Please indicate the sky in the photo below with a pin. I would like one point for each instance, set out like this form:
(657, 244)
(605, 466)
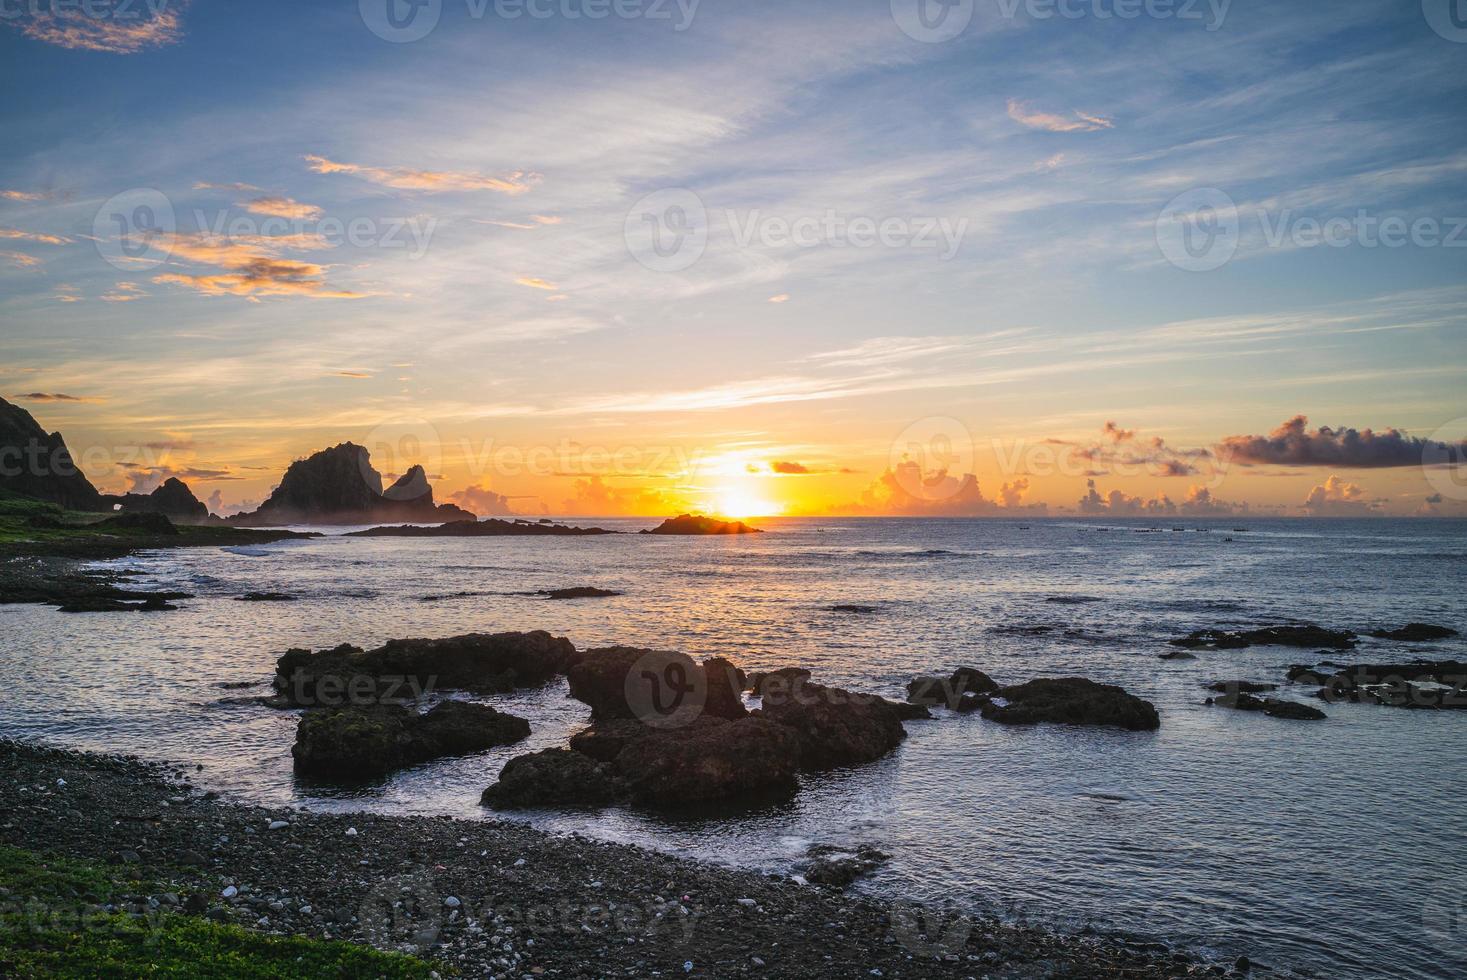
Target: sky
(616, 257)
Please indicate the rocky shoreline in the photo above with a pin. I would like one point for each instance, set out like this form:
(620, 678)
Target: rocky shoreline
(501, 898)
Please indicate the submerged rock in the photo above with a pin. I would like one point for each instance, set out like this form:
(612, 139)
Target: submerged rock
(265, 597)
(836, 727)
(580, 592)
(1429, 685)
(698, 524)
(553, 778)
(1177, 655)
(1241, 687)
(1288, 636)
(837, 867)
(356, 742)
(1273, 707)
(402, 670)
(1070, 701)
(850, 608)
(1415, 633)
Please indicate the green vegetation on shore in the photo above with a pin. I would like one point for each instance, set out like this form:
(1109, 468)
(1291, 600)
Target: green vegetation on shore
(35, 527)
(62, 918)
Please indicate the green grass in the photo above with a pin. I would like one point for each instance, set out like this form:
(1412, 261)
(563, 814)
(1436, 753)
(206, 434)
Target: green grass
(52, 924)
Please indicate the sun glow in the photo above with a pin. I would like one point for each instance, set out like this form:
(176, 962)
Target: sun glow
(741, 502)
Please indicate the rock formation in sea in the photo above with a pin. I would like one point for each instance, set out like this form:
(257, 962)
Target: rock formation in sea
(473, 528)
(698, 524)
(357, 742)
(1070, 701)
(340, 486)
(37, 464)
(401, 670)
(172, 498)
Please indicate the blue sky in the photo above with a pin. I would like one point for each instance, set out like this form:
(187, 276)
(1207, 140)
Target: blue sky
(495, 294)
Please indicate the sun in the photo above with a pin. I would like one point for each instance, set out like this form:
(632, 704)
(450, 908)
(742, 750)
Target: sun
(739, 502)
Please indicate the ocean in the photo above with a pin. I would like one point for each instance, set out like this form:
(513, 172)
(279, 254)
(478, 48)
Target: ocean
(1335, 847)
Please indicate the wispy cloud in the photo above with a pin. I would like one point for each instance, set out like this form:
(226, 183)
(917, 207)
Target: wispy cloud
(110, 26)
(124, 292)
(282, 207)
(204, 185)
(1079, 122)
(56, 396)
(15, 234)
(262, 276)
(20, 259)
(10, 195)
(534, 283)
(406, 178)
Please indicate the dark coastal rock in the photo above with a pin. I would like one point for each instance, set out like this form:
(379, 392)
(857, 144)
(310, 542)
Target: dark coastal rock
(265, 597)
(103, 604)
(1416, 633)
(838, 867)
(1424, 685)
(553, 778)
(1241, 687)
(949, 691)
(1273, 707)
(172, 498)
(340, 486)
(1177, 655)
(403, 669)
(849, 608)
(96, 604)
(37, 464)
(836, 727)
(907, 711)
(1070, 701)
(719, 761)
(604, 740)
(580, 592)
(144, 523)
(353, 743)
(475, 528)
(697, 524)
(656, 687)
(1288, 636)
(777, 680)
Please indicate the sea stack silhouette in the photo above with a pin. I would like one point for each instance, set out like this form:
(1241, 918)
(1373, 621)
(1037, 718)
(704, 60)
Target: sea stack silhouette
(340, 486)
(34, 463)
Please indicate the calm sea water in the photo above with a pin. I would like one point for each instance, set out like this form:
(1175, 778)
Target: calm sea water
(1338, 847)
